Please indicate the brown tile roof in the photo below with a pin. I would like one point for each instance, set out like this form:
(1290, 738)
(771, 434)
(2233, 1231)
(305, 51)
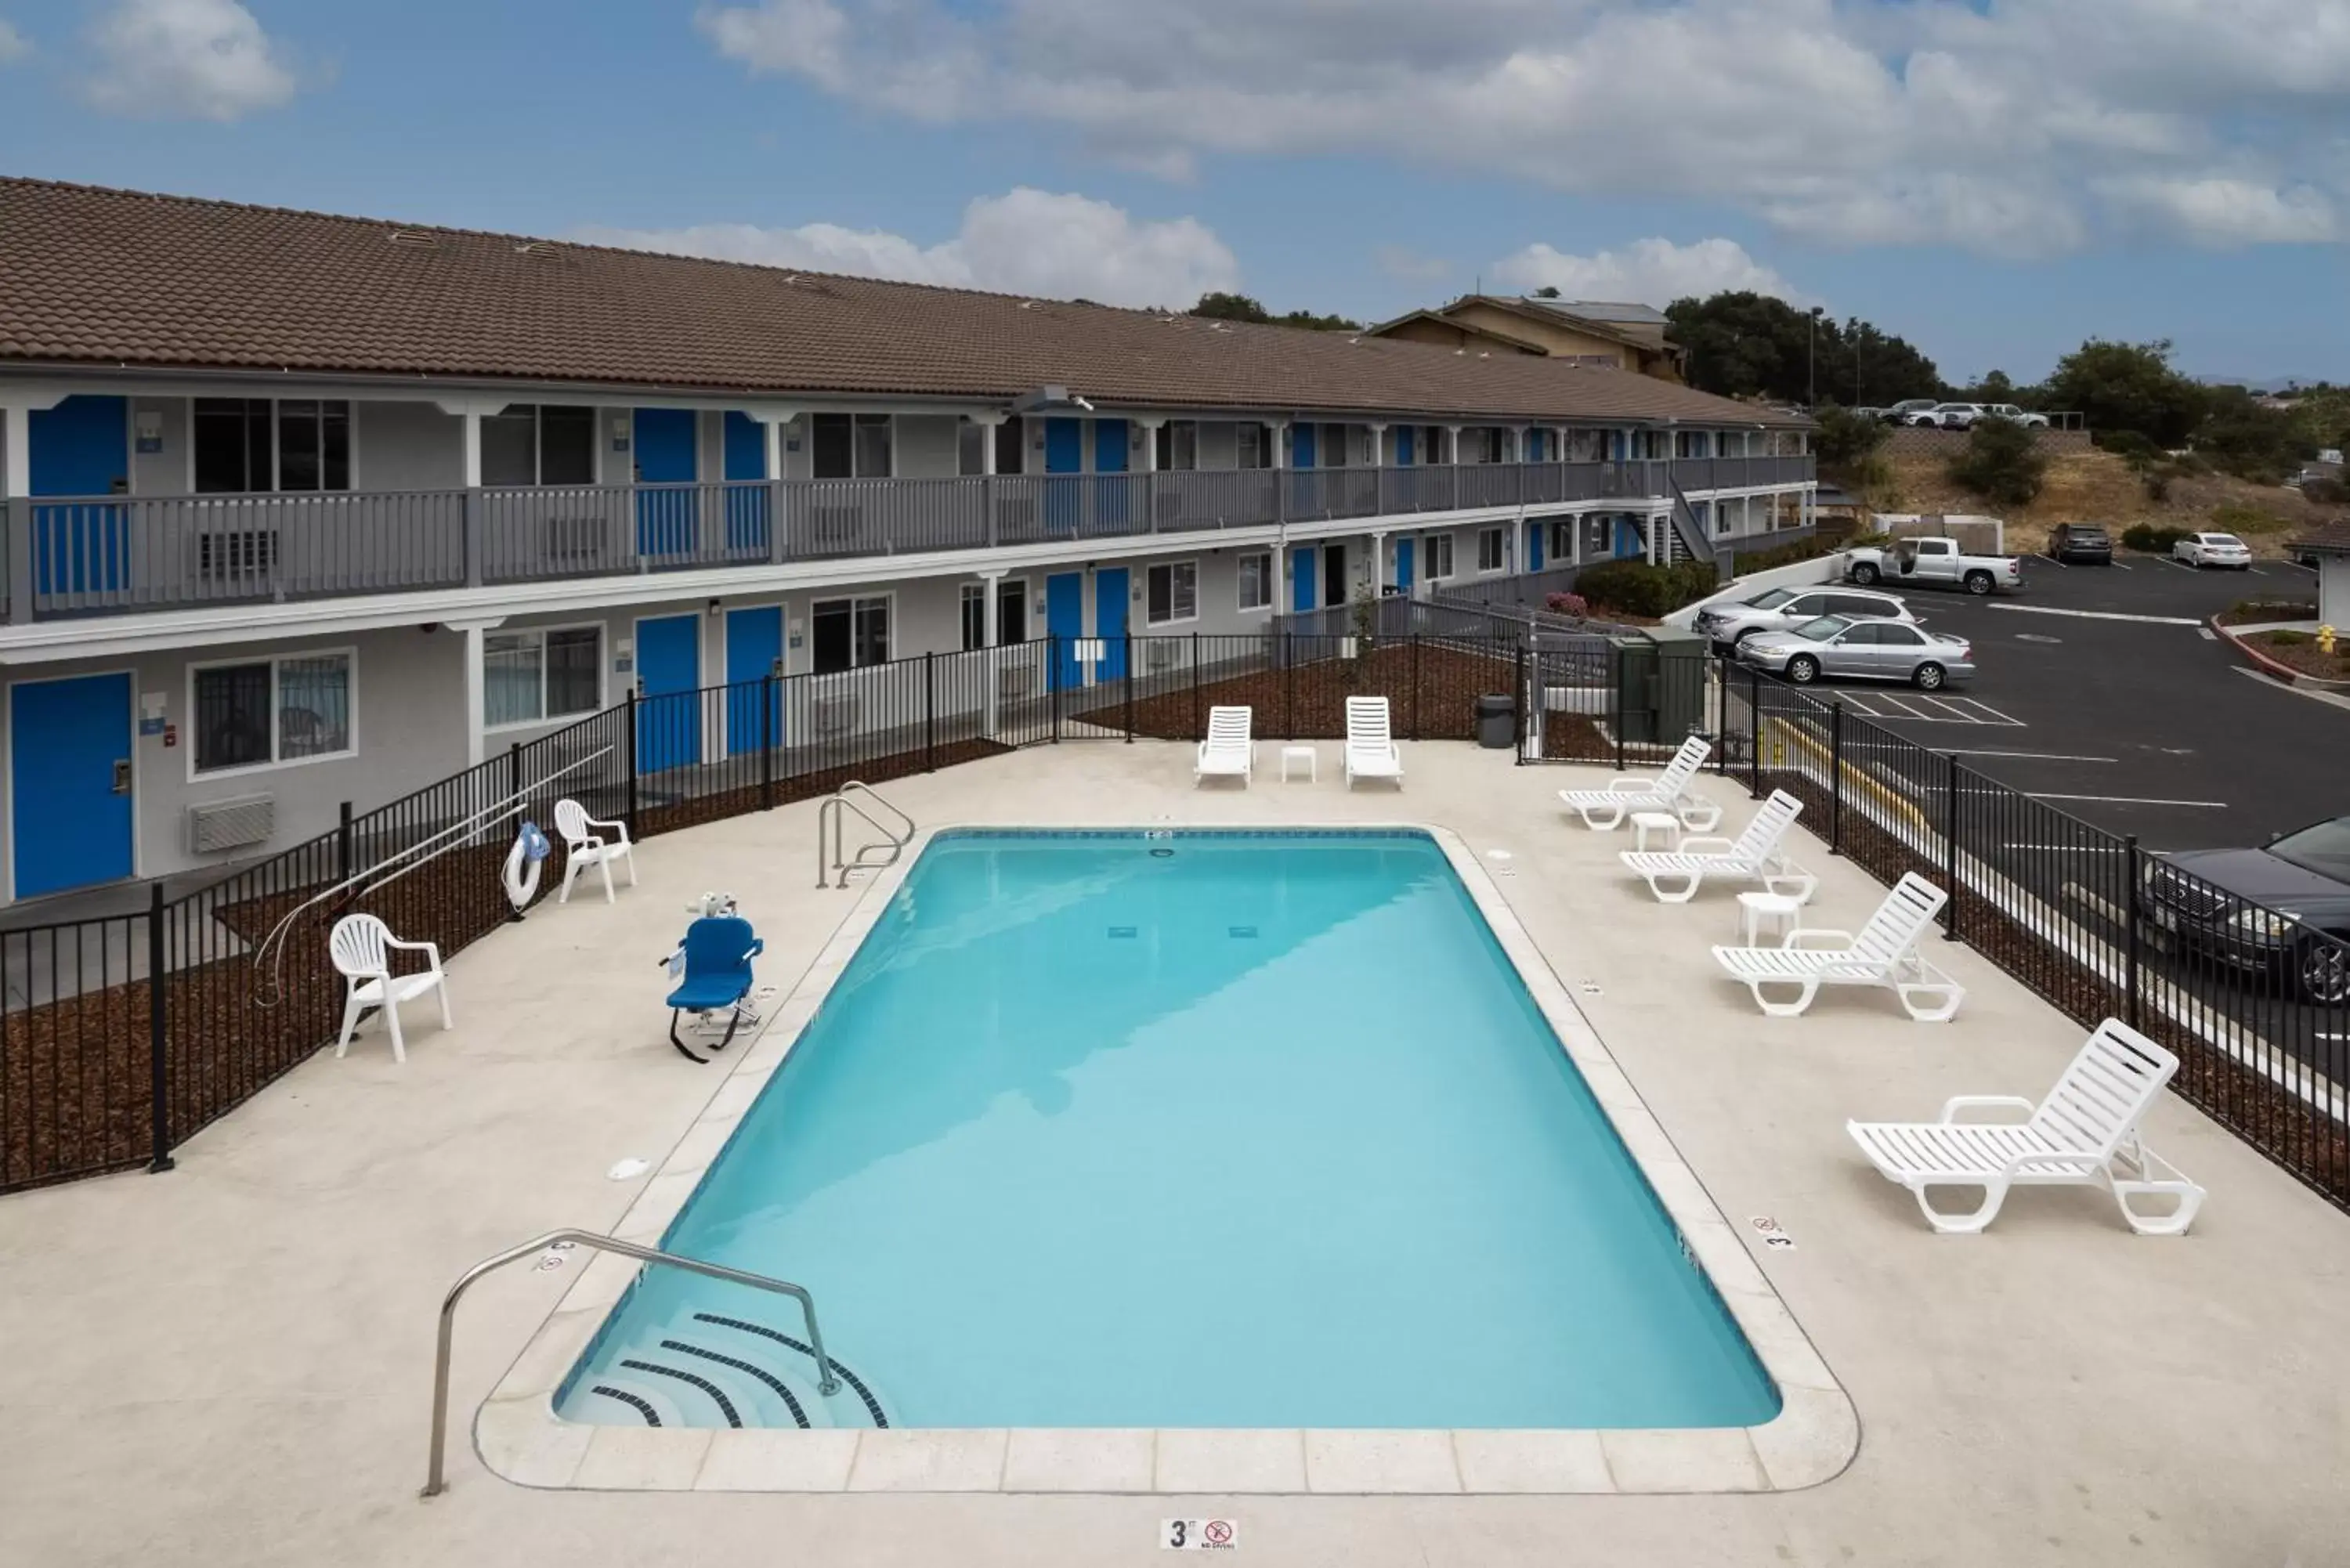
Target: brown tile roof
(2333, 539)
(102, 276)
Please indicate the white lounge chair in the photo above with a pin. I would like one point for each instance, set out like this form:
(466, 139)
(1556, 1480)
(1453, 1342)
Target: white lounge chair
(360, 947)
(1675, 876)
(589, 842)
(1370, 749)
(1227, 752)
(2084, 1134)
(1884, 953)
(1605, 809)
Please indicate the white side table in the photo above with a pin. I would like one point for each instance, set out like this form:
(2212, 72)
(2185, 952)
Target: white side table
(1781, 909)
(1291, 756)
(1644, 822)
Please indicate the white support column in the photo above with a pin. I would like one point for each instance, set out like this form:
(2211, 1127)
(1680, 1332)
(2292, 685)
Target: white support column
(1150, 429)
(1280, 444)
(1452, 444)
(1378, 565)
(476, 706)
(18, 434)
(990, 587)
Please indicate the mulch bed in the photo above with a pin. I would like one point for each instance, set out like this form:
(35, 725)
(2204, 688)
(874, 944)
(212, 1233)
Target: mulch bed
(1432, 691)
(2300, 653)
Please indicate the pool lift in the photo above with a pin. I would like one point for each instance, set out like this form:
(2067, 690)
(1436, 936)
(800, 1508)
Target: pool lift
(711, 971)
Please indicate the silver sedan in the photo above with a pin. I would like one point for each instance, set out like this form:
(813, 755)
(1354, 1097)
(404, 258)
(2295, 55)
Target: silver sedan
(1863, 650)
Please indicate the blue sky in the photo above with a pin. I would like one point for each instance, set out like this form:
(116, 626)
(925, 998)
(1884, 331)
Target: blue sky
(1994, 181)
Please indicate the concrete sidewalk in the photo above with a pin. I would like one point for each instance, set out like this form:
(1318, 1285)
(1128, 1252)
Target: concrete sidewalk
(229, 1364)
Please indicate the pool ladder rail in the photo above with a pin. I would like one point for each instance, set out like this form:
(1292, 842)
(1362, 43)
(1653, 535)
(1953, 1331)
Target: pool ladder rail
(828, 1382)
(834, 871)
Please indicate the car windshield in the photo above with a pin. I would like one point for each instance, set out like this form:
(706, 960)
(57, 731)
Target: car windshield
(2225, 541)
(1820, 630)
(1771, 600)
(2088, 531)
(2324, 848)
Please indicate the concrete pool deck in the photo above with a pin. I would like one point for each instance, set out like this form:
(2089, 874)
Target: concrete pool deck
(230, 1363)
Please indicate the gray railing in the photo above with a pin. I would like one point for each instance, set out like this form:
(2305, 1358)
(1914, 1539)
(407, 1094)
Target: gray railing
(109, 555)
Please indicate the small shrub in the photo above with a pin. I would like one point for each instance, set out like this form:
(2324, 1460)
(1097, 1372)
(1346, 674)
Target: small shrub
(1782, 554)
(2000, 462)
(2325, 491)
(2288, 639)
(1636, 587)
(2154, 541)
(2272, 609)
(1574, 605)
(2130, 446)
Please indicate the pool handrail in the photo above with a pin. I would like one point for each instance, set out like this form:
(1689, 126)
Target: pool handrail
(893, 840)
(826, 1382)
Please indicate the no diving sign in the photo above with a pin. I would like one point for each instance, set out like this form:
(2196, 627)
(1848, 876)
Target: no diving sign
(1198, 1535)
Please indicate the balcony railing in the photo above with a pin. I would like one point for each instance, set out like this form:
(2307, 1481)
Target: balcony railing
(112, 555)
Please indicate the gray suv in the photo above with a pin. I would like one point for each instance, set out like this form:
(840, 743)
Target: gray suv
(1726, 625)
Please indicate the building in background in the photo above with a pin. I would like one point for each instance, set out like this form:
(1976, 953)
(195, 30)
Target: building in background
(1580, 332)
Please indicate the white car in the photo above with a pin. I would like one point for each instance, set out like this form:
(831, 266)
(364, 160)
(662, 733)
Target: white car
(2014, 415)
(1946, 416)
(2213, 550)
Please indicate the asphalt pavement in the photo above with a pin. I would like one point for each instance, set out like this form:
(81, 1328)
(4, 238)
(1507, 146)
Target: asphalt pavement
(2102, 690)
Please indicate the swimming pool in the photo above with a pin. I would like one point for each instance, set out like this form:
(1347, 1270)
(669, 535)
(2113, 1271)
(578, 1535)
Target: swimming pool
(1179, 1128)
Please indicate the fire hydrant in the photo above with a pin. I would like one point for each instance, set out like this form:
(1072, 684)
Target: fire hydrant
(2325, 640)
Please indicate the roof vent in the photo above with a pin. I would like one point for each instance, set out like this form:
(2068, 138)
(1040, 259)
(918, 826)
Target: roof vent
(536, 248)
(413, 237)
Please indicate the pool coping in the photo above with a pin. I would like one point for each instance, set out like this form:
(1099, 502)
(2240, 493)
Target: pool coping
(1812, 1438)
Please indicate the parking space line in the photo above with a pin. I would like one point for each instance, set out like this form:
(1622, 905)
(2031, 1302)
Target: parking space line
(2036, 756)
(1906, 710)
(2101, 615)
(2129, 800)
(1854, 700)
(1989, 714)
(1945, 702)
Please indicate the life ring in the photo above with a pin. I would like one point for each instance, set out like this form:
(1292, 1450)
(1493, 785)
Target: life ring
(523, 864)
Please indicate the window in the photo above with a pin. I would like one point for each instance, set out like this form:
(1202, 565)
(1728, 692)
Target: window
(533, 444)
(1439, 557)
(1489, 550)
(849, 446)
(1253, 450)
(1483, 443)
(848, 634)
(1174, 593)
(528, 677)
(1256, 581)
(1561, 540)
(1009, 447)
(1893, 634)
(1179, 444)
(260, 444)
(1334, 449)
(971, 448)
(1011, 613)
(271, 711)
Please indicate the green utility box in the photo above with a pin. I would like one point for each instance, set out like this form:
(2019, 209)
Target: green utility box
(1660, 685)
(1635, 659)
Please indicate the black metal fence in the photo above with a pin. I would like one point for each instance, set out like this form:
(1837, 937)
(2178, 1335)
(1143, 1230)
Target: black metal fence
(122, 1036)
(2255, 1002)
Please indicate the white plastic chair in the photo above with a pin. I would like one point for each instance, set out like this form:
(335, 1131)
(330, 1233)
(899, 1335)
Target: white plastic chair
(360, 947)
(2084, 1134)
(1675, 876)
(1370, 749)
(588, 842)
(1227, 752)
(1604, 810)
(1884, 953)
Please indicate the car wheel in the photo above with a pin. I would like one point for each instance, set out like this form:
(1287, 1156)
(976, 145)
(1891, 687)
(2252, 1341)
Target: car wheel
(1863, 574)
(1929, 677)
(1803, 670)
(1978, 583)
(2324, 969)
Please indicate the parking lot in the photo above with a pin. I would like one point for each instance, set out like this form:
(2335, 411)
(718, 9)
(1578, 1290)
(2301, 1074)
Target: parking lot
(2102, 690)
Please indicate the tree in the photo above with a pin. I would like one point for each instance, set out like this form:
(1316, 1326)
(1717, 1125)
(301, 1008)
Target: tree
(2128, 387)
(1747, 345)
(1994, 388)
(2000, 462)
(1846, 442)
(2243, 438)
(1241, 307)
(1547, 291)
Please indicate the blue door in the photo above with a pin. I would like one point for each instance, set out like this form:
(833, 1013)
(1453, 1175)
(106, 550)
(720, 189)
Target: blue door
(1403, 567)
(1065, 452)
(665, 518)
(1534, 545)
(669, 678)
(69, 781)
(1110, 588)
(1110, 509)
(1302, 568)
(1615, 445)
(1305, 500)
(754, 641)
(1064, 618)
(746, 508)
(1404, 434)
(81, 447)
(1628, 543)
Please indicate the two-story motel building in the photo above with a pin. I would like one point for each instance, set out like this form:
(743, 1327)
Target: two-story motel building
(304, 509)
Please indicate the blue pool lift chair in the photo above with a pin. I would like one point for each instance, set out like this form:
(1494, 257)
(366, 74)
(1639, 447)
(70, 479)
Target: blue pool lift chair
(714, 960)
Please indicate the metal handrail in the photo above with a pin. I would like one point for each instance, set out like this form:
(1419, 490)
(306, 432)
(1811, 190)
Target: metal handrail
(827, 1382)
(838, 805)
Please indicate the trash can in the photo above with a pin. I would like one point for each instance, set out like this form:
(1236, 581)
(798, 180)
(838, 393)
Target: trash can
(1497, 722)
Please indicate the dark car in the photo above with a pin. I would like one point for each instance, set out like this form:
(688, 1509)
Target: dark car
(2082, 542)
(2284, 909)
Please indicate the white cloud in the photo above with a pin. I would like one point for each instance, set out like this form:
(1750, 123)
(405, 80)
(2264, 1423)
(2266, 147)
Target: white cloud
(1650, 272)
(2018, 127)
(13, 46)
(1403, 262)
(195, 59)
(1023, 242)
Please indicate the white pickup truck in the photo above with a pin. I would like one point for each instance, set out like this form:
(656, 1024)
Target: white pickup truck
(1935, 563)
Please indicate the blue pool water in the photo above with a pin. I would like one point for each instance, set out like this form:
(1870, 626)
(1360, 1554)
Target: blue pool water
(1226, 1130)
